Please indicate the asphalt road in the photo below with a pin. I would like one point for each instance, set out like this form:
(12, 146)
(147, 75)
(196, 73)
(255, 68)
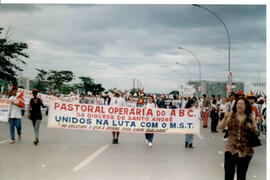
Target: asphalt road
(76, 154)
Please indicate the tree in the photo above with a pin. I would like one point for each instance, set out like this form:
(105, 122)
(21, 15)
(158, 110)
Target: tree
(10, 58)
(89, 85)
(97, 88)
(58, 78)
(55, 79)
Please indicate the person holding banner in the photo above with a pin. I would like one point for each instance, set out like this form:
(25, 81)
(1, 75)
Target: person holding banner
(15, 115)
(149, 136)
(34, 113)
(117, 100)
(189, 137)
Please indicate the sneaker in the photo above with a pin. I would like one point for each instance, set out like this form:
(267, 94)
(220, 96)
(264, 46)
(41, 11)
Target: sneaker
(116, 141)
(19, 137)
(225, 139)
(146, 142)
(190, 145)
(150, 144)
(113, 141)
(12, 141)
(186, 145)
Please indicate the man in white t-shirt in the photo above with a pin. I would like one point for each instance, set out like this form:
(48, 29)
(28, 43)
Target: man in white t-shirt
(150, 104)
(117, 100)
(15, 116)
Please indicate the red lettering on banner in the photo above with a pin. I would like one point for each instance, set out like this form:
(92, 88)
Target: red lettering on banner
(56, 105)
(190, 111)
(110, 110)
(163, 119)
(181, 112)
(172, 112)
(4, 101)
(102, 109)
(97, 110)
(90, 108)
(83, 108)
(70, 107)
(126, 111)
(120, 111)
(132, 111)
(149, 112)
(138, 111)
(77, 106)
(63, 107)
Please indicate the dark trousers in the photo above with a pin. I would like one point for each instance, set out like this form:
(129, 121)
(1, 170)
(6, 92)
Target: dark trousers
(149, 137)
(221, 116)
(214, 122)
(232, 161)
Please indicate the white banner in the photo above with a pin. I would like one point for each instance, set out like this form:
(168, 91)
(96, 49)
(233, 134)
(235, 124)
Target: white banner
(125, 119)
(46, 99)
(186, 90)
(4, 109)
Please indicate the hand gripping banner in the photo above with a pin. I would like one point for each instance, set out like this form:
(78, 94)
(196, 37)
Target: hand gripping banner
(67, 115)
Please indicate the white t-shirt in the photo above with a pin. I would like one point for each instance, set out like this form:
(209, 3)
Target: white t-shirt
(152, 105)
(184, 103)
(99, 101)
(219, 102)
(117, 101)
(15, 111)
(222, 108)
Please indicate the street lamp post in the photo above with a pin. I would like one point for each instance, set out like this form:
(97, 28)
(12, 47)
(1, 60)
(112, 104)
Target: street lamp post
(229, 82)
(186, 69)
(200, 73)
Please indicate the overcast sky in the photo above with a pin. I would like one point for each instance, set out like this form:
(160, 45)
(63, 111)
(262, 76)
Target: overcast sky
(114, 44)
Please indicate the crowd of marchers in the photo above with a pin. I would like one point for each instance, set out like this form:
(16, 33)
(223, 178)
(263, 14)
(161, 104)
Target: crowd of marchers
(237, 116)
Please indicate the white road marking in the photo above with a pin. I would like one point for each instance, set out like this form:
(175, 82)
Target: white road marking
(201, 137)
(2, 142)
(91, 158)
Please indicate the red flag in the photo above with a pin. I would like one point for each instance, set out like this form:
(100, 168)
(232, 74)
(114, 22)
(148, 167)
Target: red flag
(21, 100)
(141, 101)
(141, 92)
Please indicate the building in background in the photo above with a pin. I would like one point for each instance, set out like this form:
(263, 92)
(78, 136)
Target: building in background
(24, 82)
(259, 88)
(215, 87)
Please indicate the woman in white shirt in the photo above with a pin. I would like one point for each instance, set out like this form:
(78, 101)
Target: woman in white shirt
(15, 116)
(222, 109)
(149, 136)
